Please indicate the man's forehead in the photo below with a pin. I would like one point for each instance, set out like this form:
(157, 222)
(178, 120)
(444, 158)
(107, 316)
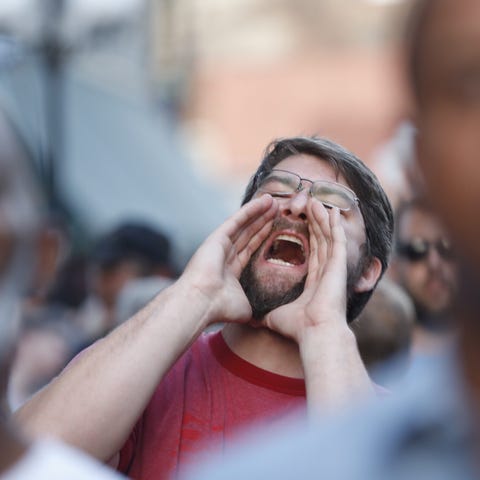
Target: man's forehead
(311, 167)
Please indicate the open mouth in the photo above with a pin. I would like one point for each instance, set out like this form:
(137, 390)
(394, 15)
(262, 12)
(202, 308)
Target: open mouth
(286, 250)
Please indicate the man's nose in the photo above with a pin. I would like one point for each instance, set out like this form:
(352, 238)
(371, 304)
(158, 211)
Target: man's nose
(295, 207)
(434, 258)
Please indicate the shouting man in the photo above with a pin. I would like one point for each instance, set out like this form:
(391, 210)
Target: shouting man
(285, 274)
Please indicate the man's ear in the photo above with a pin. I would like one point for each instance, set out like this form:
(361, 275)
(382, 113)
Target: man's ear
(370, 275)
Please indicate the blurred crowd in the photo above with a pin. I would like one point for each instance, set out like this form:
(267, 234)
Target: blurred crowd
(77, 299)
(74, 298)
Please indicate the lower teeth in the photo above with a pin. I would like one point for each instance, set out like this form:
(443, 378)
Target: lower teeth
(278, 261)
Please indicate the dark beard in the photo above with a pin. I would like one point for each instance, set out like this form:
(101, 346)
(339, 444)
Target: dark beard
(263, 301)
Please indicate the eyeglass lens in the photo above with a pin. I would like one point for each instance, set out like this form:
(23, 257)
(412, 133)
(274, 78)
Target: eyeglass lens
(283, 183)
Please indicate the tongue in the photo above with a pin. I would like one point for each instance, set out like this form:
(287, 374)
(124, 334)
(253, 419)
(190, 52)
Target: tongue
(286, 251)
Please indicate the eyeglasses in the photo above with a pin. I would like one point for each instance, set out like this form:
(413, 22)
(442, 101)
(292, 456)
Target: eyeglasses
(281, 183)
(418, 249)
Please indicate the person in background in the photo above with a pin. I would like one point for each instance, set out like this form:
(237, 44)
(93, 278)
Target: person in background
(53, 245)
(48, 338)
(130, 251)
(42, 351)
(384, 332)
(430, 430)
(21, 213)
(136, 293)
(424, 264)
(285, 274)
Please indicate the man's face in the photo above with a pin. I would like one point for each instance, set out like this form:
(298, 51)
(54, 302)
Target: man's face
(449, 117)
(276, 272)
(424, 265)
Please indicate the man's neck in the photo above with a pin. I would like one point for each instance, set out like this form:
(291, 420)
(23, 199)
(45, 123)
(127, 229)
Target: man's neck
(264, 348)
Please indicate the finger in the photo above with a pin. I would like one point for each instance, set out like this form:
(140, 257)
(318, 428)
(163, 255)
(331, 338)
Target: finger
(239, 259)
(336, 267)
(317, 243)
(314, 247)
(320, 227)
(227, 233)
(338, 263)
(234, 225)
(321, 223)
(339, 239)
(250, 232)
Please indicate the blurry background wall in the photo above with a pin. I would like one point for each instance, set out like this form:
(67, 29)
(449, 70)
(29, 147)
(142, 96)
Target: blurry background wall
(160, 109)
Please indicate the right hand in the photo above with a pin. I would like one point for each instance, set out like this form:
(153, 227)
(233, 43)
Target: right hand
(215, 268)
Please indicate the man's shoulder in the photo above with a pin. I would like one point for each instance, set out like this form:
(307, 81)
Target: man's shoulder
(50, 460)
(200, 349)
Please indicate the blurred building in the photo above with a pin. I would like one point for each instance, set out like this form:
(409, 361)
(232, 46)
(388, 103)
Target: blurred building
(243, 72)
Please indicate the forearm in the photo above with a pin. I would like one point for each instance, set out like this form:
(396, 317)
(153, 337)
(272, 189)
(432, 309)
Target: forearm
(96, 401)
(334, 371)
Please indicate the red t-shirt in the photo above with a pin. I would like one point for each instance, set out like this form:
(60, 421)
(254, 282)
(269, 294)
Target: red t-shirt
(201, 404)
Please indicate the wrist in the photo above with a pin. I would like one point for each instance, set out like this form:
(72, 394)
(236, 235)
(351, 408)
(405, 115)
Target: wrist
(193, 302)
(315, 338)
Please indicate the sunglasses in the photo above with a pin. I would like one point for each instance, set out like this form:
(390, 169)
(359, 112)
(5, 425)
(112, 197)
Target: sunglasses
(418, 249)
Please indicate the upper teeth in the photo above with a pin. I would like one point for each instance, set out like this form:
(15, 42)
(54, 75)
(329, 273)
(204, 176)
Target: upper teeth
(290, 238)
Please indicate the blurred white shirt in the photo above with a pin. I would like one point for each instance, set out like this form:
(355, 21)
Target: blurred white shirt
(49, 460)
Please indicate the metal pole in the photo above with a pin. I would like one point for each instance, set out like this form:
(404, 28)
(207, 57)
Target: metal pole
(53, 56)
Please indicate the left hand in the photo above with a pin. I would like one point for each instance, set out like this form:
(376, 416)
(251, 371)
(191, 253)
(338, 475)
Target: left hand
(323, 301)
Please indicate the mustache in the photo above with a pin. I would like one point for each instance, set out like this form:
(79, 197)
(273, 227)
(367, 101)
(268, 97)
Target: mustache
(282, 223)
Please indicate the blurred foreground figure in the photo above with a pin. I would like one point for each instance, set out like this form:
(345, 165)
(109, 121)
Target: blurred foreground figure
(285, 274)
(431, 430)
(424, 264)
(20, 216)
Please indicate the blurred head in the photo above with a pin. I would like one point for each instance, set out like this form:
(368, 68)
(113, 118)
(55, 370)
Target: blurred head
(445, 76)
(424, 263)
(21, 211)
(368, 225)
(129, 251)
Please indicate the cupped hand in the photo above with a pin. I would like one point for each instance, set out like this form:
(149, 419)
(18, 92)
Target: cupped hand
(215, 268)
